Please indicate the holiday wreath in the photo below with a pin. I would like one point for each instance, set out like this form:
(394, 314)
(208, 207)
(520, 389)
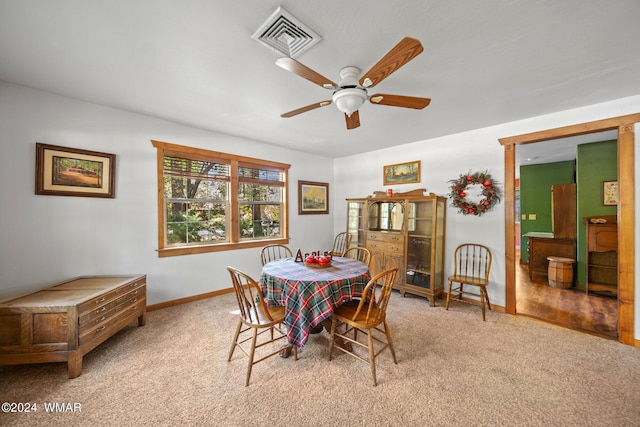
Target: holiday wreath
(490, 193)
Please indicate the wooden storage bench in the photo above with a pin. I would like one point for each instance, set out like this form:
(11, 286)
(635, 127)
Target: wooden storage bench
(63, 322)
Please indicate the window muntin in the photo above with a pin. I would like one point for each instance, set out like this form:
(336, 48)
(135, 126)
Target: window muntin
(212, 201)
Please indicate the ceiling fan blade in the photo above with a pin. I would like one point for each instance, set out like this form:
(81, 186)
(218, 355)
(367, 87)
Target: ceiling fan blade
(403, 52)
(399, 101)
(353, 121)
(305, 72)
(305, 109)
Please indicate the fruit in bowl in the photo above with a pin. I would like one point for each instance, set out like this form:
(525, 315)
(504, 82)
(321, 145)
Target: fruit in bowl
(311, 260)
(324, 259)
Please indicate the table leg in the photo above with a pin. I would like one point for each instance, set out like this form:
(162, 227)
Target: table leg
(285, 352)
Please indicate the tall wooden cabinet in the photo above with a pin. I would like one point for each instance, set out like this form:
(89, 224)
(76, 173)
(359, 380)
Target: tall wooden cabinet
(602, 254)
(561, 242)
(405, 231)
(563, 211)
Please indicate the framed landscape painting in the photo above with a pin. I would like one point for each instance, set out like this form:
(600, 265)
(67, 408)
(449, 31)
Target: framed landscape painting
(401, 173)
(313, 197)
(62, 171)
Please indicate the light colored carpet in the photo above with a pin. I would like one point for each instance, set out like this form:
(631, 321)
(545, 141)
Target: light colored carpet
(453, 369)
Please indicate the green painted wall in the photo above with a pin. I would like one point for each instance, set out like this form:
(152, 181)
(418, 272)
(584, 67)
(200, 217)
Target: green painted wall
(595, 163)
(535, 197)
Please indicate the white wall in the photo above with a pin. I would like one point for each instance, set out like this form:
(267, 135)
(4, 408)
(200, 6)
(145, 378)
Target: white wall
(446, 158)
(46, 239)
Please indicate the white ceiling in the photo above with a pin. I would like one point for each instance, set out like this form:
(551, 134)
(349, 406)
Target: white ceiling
(194, 62)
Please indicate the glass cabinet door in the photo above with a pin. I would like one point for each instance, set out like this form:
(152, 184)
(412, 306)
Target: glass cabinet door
(439, 242)
(419, 243)
(355, 222)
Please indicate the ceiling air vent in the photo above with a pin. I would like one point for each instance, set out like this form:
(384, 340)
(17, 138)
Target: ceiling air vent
(286, 34)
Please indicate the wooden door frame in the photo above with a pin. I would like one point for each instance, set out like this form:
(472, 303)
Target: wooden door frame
(626, 208)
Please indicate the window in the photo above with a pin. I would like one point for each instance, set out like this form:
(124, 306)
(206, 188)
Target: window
(210, 201)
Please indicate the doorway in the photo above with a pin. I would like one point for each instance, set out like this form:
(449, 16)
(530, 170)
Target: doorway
(626, 220)
(547, 164)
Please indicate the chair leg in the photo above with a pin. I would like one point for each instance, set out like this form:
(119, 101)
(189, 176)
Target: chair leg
(333, 336)
(372, 358)
(387, 332)
(448, 296)
(484, 297)
(235, 340)
(486, 294)
(251, 354)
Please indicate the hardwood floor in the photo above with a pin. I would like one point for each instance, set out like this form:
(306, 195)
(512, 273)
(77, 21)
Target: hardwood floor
(571, 308)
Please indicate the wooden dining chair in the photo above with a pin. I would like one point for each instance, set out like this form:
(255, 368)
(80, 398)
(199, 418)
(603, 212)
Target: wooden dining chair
(256, 318)
(368, 316)
(273, 252)
(472, 264)
(359, 253)
(340, 243)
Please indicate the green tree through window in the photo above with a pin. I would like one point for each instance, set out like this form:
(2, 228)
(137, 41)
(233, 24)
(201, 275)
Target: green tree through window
(212, 201)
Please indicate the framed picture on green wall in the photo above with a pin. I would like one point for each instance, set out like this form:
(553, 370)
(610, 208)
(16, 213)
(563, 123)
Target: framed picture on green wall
(609, 193)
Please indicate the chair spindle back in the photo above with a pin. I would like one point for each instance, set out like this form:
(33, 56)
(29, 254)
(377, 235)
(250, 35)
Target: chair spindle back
(472, 260)
(250, 300)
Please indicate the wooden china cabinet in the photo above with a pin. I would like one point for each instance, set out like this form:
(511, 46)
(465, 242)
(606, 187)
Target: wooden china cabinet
(406, 231)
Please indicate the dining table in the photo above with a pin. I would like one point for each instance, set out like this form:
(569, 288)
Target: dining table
(310, 294)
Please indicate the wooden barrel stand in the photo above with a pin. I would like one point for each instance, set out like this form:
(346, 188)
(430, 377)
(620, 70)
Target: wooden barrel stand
(560, 272)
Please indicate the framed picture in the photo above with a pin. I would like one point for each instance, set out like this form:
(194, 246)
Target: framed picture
(401, 173)
(609, 193)
(313, 197)
(62, 171)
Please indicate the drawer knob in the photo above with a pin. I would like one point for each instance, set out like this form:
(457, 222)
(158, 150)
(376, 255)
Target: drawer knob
(100, 319)
(100, 310)
(100, 329)
(103, 299)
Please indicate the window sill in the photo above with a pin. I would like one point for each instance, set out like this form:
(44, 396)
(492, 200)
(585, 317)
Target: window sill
(219, 247)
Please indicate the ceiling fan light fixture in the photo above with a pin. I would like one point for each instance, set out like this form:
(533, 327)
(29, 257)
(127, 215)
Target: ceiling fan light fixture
(349, 100)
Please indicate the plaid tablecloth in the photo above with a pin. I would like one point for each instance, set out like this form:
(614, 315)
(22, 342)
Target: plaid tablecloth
(310, 294)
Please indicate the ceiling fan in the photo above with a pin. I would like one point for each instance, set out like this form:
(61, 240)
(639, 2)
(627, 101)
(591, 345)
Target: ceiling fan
(350, 93)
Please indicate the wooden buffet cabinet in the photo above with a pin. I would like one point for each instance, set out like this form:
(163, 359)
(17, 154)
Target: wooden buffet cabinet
(406, 231)
(63, 322)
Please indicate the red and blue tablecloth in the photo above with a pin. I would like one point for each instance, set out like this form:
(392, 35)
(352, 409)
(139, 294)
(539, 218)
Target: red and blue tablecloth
(308, 294)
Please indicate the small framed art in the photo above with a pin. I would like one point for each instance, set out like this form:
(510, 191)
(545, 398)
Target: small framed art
(609, 193)
(401, 173)
(63, 171)
(313, 197)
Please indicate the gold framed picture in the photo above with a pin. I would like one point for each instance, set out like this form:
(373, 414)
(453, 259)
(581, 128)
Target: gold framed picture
(313, 197)
(401, 173)
(63, 171)
(609, 193)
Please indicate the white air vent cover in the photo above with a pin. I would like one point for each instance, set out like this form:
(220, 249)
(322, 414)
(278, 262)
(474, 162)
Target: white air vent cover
(286, 34)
